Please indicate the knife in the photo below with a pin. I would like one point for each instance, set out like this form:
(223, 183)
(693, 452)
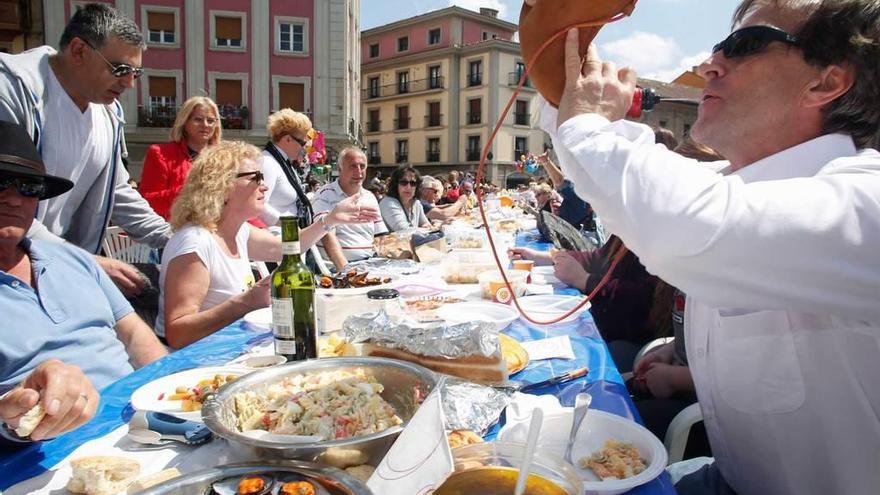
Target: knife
(556, 380)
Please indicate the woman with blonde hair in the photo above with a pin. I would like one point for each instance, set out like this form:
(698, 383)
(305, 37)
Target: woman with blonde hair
(166, 165)
(206, 280)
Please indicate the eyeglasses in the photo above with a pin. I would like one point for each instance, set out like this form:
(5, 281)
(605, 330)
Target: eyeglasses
(412, 183)
(302, 142)
(751, 40)
(118, 69)
(208, 121)
(256, 176)
(28, 188)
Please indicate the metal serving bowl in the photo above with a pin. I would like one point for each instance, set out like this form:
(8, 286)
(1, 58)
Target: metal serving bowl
(334, 481)
(405, 385)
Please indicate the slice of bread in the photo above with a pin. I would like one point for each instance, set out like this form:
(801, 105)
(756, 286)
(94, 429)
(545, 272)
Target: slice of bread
(29, 422)
(102, 475)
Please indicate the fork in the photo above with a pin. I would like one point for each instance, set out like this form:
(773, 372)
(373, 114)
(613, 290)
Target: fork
(581, 405)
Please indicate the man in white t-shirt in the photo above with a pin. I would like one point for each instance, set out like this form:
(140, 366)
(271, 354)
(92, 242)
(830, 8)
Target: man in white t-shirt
(67, 100)
(355, 241)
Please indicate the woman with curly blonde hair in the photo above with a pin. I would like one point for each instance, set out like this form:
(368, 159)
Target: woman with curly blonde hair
(166, 165)
(206, 280)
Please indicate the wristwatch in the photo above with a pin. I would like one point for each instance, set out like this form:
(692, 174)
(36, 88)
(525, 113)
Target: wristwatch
(325, 227)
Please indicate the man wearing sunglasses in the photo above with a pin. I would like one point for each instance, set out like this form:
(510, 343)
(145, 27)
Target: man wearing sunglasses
(67, 100)
(777, 248)
(59, 309)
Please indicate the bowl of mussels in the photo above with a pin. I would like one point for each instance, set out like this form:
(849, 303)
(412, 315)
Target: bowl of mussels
(342, 412)
(264, 478)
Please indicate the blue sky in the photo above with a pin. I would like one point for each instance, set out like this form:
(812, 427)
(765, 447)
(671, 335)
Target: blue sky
(662, 38)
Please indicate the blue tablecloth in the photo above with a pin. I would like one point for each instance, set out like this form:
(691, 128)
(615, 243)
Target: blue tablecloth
(603, 382)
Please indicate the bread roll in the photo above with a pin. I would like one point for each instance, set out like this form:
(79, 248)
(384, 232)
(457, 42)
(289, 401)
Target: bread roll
(102, 475)
(29, 422)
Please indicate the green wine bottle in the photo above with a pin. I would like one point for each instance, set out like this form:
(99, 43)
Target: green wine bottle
(293, 299)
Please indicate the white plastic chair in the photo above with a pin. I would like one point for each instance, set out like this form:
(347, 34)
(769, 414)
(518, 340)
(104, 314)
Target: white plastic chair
(118, 245)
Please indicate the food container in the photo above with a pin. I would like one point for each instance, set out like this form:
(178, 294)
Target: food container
(332, 481)
(491, 469)
(467, 239)
(333, 306)
(405, 385)
(492, 285)
(463, 267)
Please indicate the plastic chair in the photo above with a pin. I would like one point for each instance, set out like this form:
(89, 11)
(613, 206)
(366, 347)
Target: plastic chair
(118, 245)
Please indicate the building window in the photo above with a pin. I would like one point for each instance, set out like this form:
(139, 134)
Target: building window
(402, 82)
(163, 93)
(433, 152)
(374, 50)
(374, 158)
(520, 146)
(489, 35)
(293, 35)
(432, 119)
(473, 148)
(475, 111)
(228, 31)
(161, 28)
(401, 123)
(403, 43)
(229, 95)
(292, 95)
(475, 73)
(373, 122)
(402, 155)
(521, 113)
(434, 36)
(373, 87)
(435, 80)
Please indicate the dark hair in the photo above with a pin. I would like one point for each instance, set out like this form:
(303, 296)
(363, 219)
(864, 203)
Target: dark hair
(665, 137)
(95, 23)
(840, 32)
(700, 152)
(397, 176)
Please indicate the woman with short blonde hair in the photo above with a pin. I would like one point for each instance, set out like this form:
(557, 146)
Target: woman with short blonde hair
(166, 165)
(286, 122)
(206, 280)
(281, 166)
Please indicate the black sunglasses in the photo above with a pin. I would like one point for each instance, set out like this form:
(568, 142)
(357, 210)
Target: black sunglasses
(28, 188)
(256, 176)
(118, 69)
(412, 183)
(302, 142)
(753, 39)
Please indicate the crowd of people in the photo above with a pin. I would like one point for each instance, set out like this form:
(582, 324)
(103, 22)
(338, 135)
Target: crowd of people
(748, 243)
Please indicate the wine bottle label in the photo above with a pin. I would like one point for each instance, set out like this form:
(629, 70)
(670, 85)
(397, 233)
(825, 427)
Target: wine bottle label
(290, 247)
(282, 316)
(285, 347)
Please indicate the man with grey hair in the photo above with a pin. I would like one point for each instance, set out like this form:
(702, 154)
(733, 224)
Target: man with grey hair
(67, 100)
(430, 191)
(776, 248)
(353, 241)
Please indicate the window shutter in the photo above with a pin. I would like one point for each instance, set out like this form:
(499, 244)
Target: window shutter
(228, 92)
(292, 95)
(160, 21)
(163, 86)
(228, 27)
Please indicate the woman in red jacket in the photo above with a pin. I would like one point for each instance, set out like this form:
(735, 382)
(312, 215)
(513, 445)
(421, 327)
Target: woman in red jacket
(166, 165)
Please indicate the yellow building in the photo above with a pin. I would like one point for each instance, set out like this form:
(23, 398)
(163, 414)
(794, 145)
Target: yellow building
(433, 87)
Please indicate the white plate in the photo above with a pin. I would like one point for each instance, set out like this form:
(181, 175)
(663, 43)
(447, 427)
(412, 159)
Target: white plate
(261, 318)
(597, 428)
(501, 315)
(546, 308)
(146, 398)
(545, 275)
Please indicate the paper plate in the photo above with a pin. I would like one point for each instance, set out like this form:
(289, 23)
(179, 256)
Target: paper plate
(545, 275)
(154, 396)
(501, 315)
(261, 318)
(597, 428)
(546, 308)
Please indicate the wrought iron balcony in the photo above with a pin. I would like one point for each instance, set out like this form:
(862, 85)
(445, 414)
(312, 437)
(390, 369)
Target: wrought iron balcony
(158, 116)
(235, 116)
(474, 79)
(401, 157)
(474, 118)
(473, 155)
(513, 79)
(521, 118)
(432, 157)
(434, 120)
(401, 124)
(374, 160)
(409, 87)
(374, 126)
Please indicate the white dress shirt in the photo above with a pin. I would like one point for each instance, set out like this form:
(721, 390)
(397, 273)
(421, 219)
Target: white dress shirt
(280, 195)
(781, 264)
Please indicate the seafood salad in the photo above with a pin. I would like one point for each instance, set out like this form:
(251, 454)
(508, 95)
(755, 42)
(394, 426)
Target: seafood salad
(331, 405)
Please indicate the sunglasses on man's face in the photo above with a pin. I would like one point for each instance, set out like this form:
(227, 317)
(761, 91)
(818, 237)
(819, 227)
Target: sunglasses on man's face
(752, 40)
(118, 69)
(412, 183)
(302, 142)
(256, 176)
(28, 188)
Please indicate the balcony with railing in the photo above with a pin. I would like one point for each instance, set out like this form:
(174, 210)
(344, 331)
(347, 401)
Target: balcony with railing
(235, 116)
(434, 120)
(473, 155)
(474, 118)
(513, 79)
(432, 157)
(374, 160)
(156, 116)
(374, 125)
(401, 157)
(474, 79)
(401, 124)
(521, 118)
(409, 87)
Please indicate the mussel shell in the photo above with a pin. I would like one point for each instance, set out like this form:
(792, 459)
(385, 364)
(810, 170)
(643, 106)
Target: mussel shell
(229, 486)
(283, 478)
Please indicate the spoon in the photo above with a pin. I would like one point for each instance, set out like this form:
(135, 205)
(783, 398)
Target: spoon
(531, 443)
(581, 405)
